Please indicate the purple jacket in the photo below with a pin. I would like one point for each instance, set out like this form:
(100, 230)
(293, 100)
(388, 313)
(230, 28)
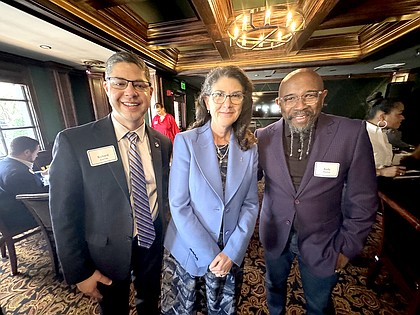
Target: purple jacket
(334, 209)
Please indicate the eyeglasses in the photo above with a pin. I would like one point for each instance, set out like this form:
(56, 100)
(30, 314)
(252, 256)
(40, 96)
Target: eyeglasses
(308, 98)
(121, 84)
(220, 97)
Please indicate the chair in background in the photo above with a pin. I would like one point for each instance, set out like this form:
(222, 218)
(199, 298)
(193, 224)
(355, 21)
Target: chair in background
(399, 252)
(13, 231)
(38, 205)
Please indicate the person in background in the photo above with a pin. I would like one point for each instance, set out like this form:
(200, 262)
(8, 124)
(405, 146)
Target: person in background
(395, 139)
(320, 195)
(17, 177)
(95, 190)
(164, 123)
(412, 161)
(383, 114)
(213, 199)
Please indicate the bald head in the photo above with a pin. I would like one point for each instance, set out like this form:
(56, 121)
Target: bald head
(300, 75)
(301, 97)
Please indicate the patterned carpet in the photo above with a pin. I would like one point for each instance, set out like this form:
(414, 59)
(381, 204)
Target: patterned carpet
(35, 291)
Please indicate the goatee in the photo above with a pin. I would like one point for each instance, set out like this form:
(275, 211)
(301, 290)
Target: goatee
(302, 129)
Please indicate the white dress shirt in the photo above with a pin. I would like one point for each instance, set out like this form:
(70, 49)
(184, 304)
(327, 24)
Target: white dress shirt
(146, 159)
(382, 149)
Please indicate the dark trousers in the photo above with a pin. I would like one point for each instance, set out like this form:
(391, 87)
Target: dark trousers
(146, 265)
(317, 290)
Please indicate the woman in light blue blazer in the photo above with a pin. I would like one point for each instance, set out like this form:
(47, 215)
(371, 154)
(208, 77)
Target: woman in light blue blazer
(213, 198)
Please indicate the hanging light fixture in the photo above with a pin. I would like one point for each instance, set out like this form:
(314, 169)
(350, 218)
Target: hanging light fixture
(266, 27)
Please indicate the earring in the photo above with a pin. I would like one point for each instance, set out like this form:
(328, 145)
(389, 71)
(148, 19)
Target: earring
(385, 123)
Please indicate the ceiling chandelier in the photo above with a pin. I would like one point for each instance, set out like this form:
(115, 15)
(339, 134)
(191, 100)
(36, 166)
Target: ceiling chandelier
(266, 27)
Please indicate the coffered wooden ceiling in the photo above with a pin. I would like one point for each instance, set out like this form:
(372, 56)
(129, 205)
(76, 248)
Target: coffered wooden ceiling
(189, 36)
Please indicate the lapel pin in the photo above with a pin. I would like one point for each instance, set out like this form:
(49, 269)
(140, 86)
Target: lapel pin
(242, 159)
(156, 144)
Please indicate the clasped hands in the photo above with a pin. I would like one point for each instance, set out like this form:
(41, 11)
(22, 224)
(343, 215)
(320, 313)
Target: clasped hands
(221, 265)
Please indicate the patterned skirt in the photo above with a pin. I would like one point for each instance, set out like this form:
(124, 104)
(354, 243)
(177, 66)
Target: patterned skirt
(183, 294)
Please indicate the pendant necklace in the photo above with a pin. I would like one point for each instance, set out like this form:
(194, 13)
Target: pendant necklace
(219, 153)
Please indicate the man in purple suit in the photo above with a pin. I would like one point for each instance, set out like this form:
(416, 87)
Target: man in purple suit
(320, 195)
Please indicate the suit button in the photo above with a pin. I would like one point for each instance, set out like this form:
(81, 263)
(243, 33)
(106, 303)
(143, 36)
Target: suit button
(297, 201)
(227, 232)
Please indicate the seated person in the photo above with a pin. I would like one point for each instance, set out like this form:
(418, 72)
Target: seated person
(17, 177)
(383, 114)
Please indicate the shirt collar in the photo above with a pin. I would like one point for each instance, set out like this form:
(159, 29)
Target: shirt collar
(121, 131)
(373, 128)
(27, 163)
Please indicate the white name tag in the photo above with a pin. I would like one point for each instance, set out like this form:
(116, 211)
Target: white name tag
(326, 169)
(102, 155)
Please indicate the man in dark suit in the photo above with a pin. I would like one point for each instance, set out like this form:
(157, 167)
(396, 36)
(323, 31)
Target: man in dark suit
(17, 177)
(91, 196)
(320, 195)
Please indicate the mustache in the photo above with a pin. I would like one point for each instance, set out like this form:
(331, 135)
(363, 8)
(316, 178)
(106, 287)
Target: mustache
(304, 112)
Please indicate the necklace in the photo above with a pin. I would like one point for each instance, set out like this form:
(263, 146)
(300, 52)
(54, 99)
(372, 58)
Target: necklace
(219, 153)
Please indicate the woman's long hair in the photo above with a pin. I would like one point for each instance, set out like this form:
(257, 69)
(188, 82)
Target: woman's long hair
(240, 127)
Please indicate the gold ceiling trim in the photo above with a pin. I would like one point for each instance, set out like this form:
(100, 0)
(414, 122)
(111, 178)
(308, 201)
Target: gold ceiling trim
(330, 55)
(388, 35)
(170, 63)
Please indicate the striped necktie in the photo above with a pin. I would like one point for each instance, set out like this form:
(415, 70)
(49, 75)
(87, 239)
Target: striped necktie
(144, 222)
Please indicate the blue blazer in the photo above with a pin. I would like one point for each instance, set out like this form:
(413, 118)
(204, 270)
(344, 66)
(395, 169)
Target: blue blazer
(198, 205)
(334, 213)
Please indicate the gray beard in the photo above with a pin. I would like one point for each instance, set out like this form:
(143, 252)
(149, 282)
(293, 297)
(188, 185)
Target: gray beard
(299, 130)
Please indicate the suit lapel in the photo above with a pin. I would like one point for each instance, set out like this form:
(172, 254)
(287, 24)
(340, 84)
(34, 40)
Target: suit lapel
(206, 159)
(105, 135)
(277, 156)
(324, 134)
(155, 148)
(238, 163)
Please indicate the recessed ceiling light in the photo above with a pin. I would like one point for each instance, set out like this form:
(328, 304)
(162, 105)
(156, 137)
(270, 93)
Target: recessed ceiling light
(45, 46)
(390, 66)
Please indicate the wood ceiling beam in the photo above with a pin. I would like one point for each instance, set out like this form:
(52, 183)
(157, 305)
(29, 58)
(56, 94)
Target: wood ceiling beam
(180, 33)
(377, 36)
(314, 12)
(372, 11)
(214, 14)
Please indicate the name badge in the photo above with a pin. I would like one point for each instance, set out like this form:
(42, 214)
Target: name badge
(102, 155)
(326, 169)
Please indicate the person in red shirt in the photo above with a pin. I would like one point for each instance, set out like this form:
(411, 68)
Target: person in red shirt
(164, 122)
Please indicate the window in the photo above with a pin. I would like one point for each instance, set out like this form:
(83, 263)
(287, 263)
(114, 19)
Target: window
(17, 115)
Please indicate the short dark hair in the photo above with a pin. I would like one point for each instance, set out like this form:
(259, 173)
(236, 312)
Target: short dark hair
(129, 57)
(20, 144)
(159, 104)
